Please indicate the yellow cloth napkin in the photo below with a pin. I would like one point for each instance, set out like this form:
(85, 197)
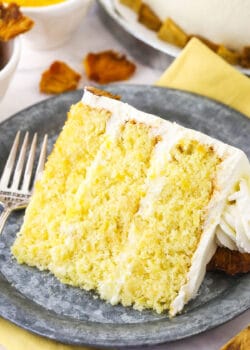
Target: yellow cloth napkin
(201, 71)
(15, 338)
(198, 70)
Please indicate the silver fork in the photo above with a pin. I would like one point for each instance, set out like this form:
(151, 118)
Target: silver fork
(15, 194)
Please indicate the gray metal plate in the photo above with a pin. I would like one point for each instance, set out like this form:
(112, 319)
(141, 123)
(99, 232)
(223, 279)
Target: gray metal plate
(36, 301)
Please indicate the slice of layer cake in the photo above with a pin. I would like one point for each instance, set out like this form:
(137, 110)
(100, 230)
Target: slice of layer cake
(132, 206)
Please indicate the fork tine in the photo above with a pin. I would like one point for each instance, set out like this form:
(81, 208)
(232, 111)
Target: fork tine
(20, 163)
(10, 162)
(29, 165)
(42, 158)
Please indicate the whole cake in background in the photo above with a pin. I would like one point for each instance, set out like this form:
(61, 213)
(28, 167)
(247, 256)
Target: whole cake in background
(221, 24)
(133, 206)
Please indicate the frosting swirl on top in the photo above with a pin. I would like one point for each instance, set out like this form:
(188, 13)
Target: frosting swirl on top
(233, 231)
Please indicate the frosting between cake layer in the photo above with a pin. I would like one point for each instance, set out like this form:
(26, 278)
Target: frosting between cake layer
(233, 169)
(221, 21)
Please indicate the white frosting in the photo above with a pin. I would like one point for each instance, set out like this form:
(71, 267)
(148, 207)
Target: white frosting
(221, 21)
(122, 112)
(234, 227)
(228, 213)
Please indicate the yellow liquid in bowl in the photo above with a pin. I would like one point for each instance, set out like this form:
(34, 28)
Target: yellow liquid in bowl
(35, 3)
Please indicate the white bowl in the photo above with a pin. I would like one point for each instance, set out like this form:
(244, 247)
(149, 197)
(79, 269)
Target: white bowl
(54, 24)
(10, 54)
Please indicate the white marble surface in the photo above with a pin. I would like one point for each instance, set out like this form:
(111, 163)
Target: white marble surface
(24, 91)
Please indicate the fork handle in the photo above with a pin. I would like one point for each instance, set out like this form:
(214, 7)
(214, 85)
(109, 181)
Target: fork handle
(3, 217)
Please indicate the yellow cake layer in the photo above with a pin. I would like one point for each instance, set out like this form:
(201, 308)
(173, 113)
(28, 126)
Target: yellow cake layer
(74, 151)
